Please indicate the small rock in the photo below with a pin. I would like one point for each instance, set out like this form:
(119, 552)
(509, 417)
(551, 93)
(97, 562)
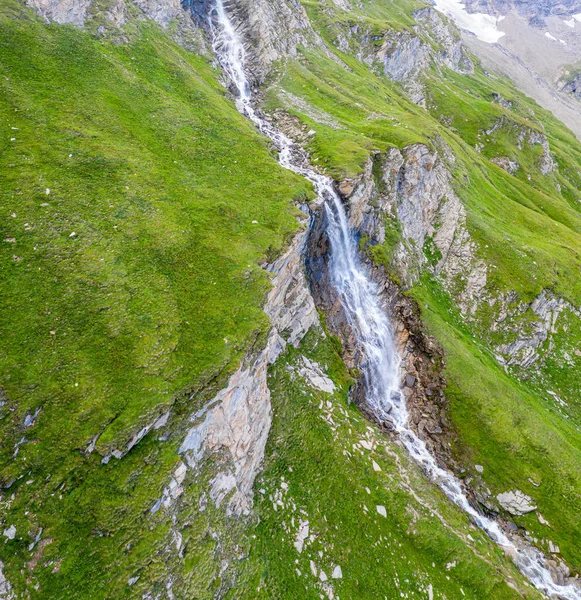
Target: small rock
(10, 533)
(180, 473)
(410, 381)
(376, 467)
(302, 535)
(516, 503)
(346, 188)
(337, 573)
(542, 519)
(323, 576)
(313, 569)
(381, 510)
(479, 468)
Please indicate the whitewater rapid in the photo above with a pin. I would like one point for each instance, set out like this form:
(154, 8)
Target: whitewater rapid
(359, 297)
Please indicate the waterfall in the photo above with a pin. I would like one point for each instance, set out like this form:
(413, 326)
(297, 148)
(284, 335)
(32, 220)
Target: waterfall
(359, 297)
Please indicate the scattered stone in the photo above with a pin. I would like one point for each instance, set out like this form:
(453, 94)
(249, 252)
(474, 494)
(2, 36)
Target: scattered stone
(553, 548)
(10, 533)
(542, 519)
(180, 473)
(323, 576)
(479, 468)
(302, 535)
(376, 467)
(410, 381)
(516, 503)
(381, 510)
(337, 573)
(313, 569)
(314, 375)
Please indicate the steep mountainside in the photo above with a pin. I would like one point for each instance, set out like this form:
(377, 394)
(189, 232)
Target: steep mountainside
(184, 401)
(536, 44)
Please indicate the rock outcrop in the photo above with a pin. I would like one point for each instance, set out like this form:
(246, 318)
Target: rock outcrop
(572, 85)
(544, 311)
(270, 31)
(405, 57)
(114, 13)
(516, 503)
(234, 426)
(73, 12)
(417, 191)
(523, 138)
(447, 47)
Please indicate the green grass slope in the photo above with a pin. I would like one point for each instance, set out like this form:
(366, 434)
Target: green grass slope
(136, 205)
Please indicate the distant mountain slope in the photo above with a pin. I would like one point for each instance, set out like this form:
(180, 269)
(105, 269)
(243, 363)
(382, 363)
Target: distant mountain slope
(535, 44)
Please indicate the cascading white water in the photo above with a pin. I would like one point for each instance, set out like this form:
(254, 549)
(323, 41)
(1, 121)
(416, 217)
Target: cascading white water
(360, 300)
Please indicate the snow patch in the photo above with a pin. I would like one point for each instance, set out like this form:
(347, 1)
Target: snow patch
(484, 27)
(551, 37)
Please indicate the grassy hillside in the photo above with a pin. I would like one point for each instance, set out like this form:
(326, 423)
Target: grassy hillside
(136, 206)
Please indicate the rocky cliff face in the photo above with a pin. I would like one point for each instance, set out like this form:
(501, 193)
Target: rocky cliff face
(73, 12)
(112, 13)
(404, 182)
(535, 10)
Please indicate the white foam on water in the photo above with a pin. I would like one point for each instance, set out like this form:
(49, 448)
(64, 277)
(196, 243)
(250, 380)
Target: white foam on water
(360, 298)
(484, 27)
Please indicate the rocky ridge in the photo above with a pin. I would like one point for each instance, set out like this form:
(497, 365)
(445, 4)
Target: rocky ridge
(237, 421)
